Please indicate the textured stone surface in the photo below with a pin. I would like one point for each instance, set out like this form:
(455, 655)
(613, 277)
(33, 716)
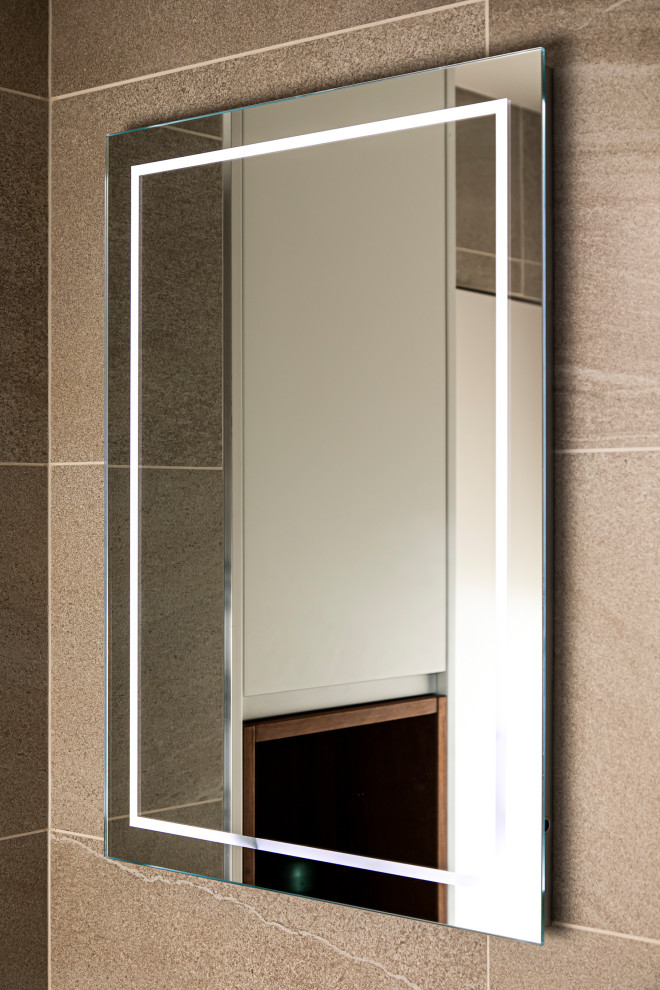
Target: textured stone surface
(24, 46)
(23, 913)
(23, 278)
(121, 926)
(182, 638)
(607, 682)
(532, 280)
(134, 930)
(77, 648)
(574, 960)
(90, 48)
(79, 126)
(607, 197)
(24, 656)
(477, 271)
(181, 316)
(475, 200)
(205, 859)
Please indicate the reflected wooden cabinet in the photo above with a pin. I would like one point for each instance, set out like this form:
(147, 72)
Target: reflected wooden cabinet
(365, 779)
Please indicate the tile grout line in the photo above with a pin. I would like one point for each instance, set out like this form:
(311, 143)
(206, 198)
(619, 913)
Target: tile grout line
(489, 254)
(172, 807)
(167, 467)
(81, 835)
(22, 835)
(49, 872)
(144, 467)
(606, 931)
(187, 130)
(198, 467)
(30, 96)
(268, 48)
(607, 450)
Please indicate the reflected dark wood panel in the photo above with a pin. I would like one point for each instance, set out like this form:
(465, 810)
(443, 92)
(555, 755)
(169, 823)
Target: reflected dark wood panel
(367, 779)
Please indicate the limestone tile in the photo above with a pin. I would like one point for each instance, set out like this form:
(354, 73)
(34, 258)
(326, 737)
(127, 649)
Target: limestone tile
(23, 277)
(92, 47)
(24, 638)
(475, 179)
(475, 184)
(79, 127)
(531, 186)
(186, 932)
(477, 271)
(606, 195)
(210, 126)
(24, 46)
(77, 648)
(24, 912)
(606, 685)
(573, 959)
(182, 637)
(532, 280)
(181, 324)
(174, 852)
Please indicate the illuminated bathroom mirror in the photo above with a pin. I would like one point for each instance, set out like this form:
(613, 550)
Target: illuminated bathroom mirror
(327, 433)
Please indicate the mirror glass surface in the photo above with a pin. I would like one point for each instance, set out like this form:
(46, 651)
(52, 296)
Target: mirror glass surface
(326, 434)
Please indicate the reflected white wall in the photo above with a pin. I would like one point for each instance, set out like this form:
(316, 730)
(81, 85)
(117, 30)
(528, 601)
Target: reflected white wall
(344, 403)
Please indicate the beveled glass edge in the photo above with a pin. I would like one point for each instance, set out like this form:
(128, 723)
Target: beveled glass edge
(547, 459)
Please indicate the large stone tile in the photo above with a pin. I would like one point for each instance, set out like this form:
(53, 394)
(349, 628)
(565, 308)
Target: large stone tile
(607, 246)
(24, 912)
(185, 932)
(533, 281)
(77, 648)
(24, 657)
(181, 638)
(23, 278)
(92, 46)
(574, 960)
(477, 271)
(137, 845)
(182, 307)
(79, 126)
(531, 186)
(475, 180)
(475, 183)
(606, 685)
(24, 46)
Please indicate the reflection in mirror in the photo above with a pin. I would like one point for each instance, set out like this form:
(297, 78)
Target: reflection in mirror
(325, 495)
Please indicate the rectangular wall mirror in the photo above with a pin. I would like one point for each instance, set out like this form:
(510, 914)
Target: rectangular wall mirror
(327, 526)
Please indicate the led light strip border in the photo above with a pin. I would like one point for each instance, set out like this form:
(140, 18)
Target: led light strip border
(500, 110)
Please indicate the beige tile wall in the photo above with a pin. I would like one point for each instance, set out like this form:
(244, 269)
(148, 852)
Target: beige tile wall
(121, 65)
(475, 203)
(24, 841)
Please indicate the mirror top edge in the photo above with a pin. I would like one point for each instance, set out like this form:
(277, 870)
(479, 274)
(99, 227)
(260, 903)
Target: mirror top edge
(333, 89)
